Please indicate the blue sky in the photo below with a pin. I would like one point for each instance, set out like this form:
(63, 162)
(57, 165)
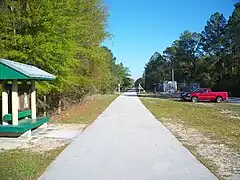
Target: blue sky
(142, 27)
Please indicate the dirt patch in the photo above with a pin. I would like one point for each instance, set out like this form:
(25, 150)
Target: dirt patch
(53, 137)
(205, 104)
(235, 117)
(45, 144)
(226, 160)
(230, 114)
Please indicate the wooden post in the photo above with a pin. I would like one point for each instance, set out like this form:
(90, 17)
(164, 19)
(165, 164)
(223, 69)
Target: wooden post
(4, 101)
(33, 100)
(15, 102)
(119, 88)
(139, 89)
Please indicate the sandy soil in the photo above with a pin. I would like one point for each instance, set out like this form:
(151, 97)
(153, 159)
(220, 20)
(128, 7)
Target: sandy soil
(54, 136)
(224, 159)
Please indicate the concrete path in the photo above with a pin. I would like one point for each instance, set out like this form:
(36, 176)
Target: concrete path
(234, 100)
(126, 142)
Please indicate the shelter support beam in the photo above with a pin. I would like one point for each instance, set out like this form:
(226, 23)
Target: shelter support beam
(15, 102)
(4, 101)
(33, 100)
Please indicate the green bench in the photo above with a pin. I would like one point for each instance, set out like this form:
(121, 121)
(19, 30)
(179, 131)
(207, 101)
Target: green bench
(21, 115)
(23, 126)
(25, 123)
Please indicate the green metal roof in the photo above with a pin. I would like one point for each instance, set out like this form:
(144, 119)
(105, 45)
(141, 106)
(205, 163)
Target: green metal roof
(11, 70)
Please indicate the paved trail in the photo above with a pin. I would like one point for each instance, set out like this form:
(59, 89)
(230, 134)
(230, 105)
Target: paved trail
(126, 142)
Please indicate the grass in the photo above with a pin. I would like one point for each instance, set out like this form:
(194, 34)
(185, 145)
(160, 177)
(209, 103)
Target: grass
(24, 164)
(86, 112)
(208, 120)
(27, 165)
(234, 108)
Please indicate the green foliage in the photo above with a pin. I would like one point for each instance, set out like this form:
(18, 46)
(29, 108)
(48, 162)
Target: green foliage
(63, 38)
(137, 82)
(118, 73)
(210, 57)
(213, 36)
(128, 83)
(156, 70)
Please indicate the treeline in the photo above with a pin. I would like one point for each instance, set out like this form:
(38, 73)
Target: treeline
(63, 38)
(211, 58)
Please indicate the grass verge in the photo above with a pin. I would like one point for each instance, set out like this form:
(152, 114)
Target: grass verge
(208, 120)
(24, 164)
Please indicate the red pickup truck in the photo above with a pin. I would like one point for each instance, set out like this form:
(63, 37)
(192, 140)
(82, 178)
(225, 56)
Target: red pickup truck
(204, 94)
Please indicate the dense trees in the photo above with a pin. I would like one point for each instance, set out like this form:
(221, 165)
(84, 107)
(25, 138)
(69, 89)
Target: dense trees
(63, 38)
(118, 73)
(211, 57)
(156, 71)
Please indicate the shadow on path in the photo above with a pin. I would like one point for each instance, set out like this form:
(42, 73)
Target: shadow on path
(157, 96)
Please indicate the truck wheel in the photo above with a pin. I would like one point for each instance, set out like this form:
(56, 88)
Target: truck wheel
(184, 100)
(194, 99)
(219, 99)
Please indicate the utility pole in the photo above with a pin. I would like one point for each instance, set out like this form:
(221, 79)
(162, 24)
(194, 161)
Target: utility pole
(144, 80)
(173, 83)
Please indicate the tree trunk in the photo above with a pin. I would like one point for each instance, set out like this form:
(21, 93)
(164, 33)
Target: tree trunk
(24, 4)
(63, 104)
(44, 107)
(59, 105)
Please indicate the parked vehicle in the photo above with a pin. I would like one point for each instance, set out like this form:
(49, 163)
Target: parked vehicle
(204, 94)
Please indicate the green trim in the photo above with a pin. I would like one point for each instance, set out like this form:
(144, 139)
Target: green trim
(22, 114)
(24, 125)
(41, 79)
